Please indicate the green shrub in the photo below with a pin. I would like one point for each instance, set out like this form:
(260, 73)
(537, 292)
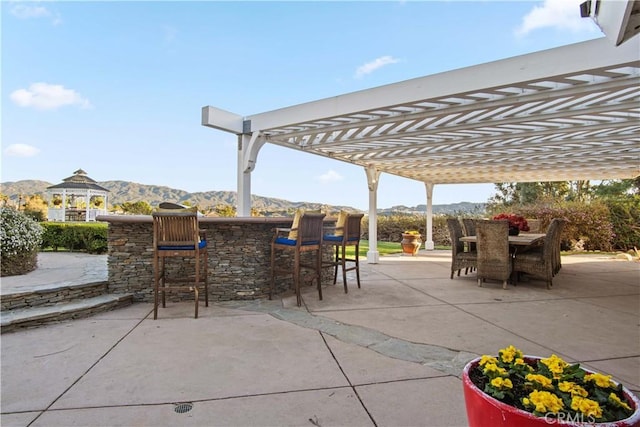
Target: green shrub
(90, 237)
(625, 218)
(20, 238)
(588, 225)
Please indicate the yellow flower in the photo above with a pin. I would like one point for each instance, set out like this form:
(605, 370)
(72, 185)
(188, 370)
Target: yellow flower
(586, 406)
(508, 354)
(603, 381)
(487, 359)
(617, 402)
(573, 388)
(540, 379)
(552, 387)
(555, 364)
(492, 367)
(544, 402)
(501, 383)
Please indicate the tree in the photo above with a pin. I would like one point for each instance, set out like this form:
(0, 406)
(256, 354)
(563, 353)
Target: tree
(225, 210)
(35, 207)
(617, 188)
(522, 193)
(137, 208)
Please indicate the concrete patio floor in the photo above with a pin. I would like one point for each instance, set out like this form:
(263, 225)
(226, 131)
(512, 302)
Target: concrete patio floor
(388, 354)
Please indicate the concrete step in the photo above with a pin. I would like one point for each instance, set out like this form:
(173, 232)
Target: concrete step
(39, 315)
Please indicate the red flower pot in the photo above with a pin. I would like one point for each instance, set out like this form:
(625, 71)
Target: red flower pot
(485, 411)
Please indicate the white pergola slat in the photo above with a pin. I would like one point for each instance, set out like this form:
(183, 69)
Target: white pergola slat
(569, 113)
(564, 114)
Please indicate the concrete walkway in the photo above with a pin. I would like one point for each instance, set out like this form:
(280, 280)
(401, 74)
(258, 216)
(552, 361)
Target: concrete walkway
(57, 269)
(388, 354)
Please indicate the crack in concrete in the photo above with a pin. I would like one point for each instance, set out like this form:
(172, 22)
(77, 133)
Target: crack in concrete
(449, 361)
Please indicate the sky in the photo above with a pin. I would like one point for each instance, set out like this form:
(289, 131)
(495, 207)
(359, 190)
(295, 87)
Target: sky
(116, 88)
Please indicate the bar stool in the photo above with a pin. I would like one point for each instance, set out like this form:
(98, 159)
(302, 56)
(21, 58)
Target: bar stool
(345, 233)
(304, 236)
(177, 234)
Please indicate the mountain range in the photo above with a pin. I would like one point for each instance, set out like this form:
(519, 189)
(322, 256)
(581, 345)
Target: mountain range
(125, 191)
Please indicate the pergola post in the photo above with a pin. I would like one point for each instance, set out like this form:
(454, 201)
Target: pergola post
(244, 178)
(373, 175)
(428, 243)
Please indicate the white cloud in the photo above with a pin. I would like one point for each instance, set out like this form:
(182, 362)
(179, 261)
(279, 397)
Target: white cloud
(370, 67)
(44, 96)
(24, 11)
(560, 14)
(31, 11)
(21, 150)
(330, 176)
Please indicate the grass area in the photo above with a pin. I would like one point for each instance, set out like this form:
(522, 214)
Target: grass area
(384, 248)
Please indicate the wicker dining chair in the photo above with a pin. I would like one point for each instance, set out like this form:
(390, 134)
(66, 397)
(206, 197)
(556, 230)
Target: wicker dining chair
(542, 262)
(494, 256)
(557, 259)
(459, 258)
(304, 236)
(177, 234)
(345, 233)
(469, 226)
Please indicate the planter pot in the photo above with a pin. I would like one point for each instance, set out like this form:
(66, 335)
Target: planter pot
(483, 410)
(514, 231)
(411, 243)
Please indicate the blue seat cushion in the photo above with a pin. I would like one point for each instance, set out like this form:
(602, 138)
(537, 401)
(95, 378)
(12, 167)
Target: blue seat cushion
(292, 242)
(201, 245)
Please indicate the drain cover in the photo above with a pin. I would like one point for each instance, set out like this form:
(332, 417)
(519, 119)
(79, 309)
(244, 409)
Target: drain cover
(181, 408)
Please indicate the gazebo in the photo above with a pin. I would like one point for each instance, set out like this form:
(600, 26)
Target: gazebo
(76, 198)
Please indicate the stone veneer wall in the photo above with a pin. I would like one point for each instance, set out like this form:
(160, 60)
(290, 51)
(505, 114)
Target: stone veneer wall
(44, 297)
(239, 252)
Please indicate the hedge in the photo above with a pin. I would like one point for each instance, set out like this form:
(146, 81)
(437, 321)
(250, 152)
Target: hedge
(89, 237)
(603, 225)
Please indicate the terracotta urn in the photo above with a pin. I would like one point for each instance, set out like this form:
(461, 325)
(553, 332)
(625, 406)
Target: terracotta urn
(411, 243)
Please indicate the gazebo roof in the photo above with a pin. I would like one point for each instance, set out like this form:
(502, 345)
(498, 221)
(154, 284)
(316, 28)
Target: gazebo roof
(568, 113)
(78, 181)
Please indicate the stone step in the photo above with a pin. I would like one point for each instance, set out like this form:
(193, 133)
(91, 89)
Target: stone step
(34, 316)
(51, 295)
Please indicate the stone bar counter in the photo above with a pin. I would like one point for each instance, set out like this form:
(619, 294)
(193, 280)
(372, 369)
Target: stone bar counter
(239, 250)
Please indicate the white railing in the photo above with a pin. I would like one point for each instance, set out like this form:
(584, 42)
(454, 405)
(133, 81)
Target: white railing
(57, 214)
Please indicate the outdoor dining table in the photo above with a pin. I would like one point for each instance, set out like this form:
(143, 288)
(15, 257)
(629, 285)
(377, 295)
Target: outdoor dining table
(518, 244)
(521, 240)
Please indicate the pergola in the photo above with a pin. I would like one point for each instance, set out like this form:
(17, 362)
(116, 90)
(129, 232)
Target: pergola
(569, 113)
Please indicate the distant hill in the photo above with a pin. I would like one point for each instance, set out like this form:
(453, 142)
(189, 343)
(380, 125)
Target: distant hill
(125, 191)
(452, 208)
